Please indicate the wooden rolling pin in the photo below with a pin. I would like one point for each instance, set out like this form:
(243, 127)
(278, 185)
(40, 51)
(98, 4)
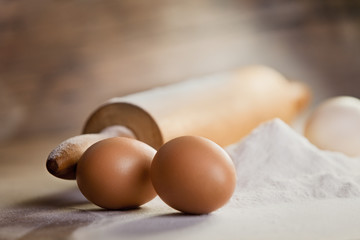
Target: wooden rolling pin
(223, 107)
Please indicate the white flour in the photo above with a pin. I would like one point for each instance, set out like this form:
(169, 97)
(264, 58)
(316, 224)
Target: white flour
(275, 164)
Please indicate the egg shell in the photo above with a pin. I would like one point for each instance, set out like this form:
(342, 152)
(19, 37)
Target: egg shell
(335, 125)
(193, 174)
(115, 173)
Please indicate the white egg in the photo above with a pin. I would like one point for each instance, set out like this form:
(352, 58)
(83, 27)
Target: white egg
(335, 125)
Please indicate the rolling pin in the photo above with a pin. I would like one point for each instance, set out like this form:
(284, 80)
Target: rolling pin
(224, 108)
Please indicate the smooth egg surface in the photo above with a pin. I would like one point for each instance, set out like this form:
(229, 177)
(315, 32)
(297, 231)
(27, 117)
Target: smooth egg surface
(193, 174)
(335, 125)
(115, 173)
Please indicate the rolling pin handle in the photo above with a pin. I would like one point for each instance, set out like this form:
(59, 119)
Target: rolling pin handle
(62, 161)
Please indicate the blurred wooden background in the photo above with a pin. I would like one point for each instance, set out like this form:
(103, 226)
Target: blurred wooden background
(60, 59)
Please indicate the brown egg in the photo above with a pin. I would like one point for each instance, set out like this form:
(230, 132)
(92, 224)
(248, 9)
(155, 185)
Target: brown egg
(115, 173)
(193, 175)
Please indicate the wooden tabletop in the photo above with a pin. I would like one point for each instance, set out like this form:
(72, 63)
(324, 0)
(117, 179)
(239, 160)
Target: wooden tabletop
(59, 60)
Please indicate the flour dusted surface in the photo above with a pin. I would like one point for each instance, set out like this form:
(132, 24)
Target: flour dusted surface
(281, 176)
(275, 164)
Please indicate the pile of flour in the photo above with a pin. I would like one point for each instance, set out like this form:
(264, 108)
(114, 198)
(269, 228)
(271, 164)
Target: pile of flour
(275, 164)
